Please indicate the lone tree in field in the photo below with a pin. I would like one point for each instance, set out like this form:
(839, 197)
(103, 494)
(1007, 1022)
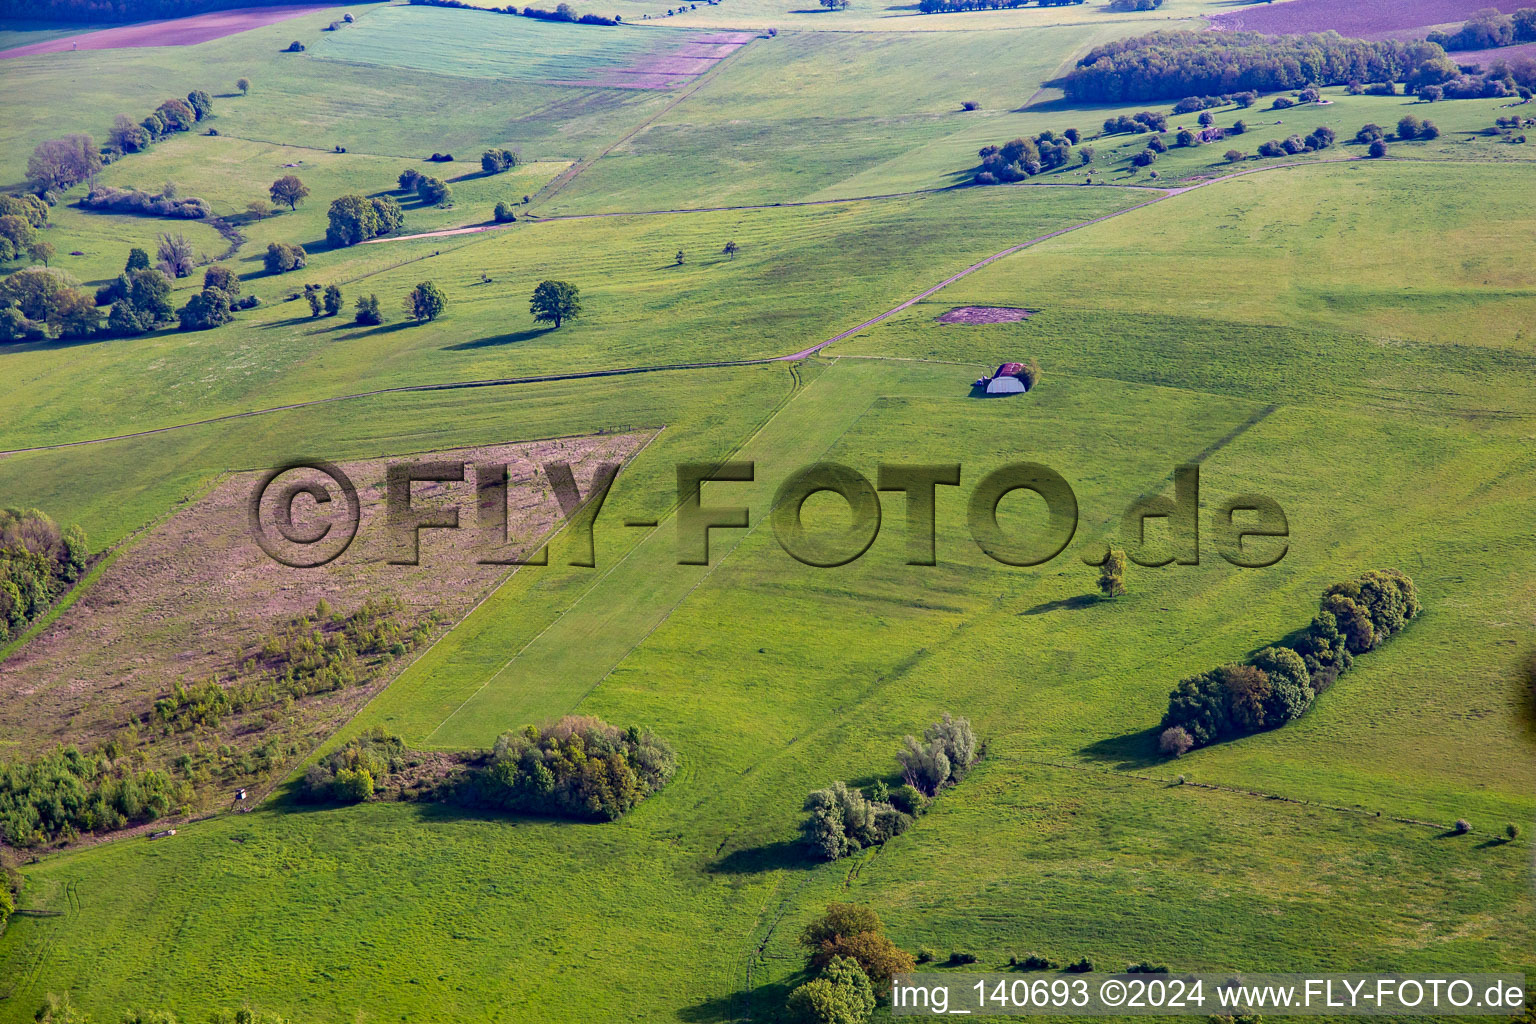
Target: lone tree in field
(244, 85)
(730, 249)
(290, 190)
(677, 260)
(555, 302)
(425, 302)
(259, 209)
(1112, 574)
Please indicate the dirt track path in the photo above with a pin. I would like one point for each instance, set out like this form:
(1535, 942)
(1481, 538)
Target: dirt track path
(669, 367)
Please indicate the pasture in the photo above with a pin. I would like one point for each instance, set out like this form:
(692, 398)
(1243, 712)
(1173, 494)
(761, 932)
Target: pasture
(1349, 337)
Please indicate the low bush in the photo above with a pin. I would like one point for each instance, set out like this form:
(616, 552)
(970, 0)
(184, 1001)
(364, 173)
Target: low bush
(1083, 966)
(1035, 962)
(130, 200)
(494, 161)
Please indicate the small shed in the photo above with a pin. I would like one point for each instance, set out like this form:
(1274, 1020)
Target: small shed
(1005, 386)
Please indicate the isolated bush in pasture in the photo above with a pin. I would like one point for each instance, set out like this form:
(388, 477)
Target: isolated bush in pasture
(1112, 574)
(503, 214)
(282, 257)
(1378, 149)
(1234, 156)
(1462, 826)
(494, 161)
(425, 302)
(367, 311)
(1511, 832)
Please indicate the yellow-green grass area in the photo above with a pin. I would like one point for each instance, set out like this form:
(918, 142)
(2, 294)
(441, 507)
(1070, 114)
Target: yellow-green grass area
(231, 172)
(800, 276)
(897, 16)
(303, 100)
(824, 114)
(1294, 267)
(952, 158)
(479, 44)
(773, 678)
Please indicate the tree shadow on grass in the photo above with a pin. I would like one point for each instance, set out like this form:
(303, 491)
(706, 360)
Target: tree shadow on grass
(499, 339)
(762, 1003)
(1065, 604)
(784, 855)
(1131, 750)
(369, 332)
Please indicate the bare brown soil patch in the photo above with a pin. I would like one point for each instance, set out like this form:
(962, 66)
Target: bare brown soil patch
(175, 32)
(196, 598)
(984, 315)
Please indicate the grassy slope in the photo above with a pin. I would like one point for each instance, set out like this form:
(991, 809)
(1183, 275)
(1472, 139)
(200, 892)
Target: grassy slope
(821, 268)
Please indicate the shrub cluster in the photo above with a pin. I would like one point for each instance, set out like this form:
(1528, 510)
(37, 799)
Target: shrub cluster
(150, 204)
(330, 650)
(580, 767)
(844, 819)
(348, 776)
(1023, 158)
(494, 161)
(20, 217)
(67, 792)
(1320, 137)
(1279, 683)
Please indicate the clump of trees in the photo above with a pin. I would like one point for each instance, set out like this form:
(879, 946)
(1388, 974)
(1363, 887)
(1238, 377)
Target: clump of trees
(20, 219)
(433, 191)
(1136, 124)
(355, 219)
(1279, 683)
(59, 164)
(1411, 127)
(852, 962)
(579, 767)
(39, 303)
(844, 819)
(1170, 65)
(140, 298)
(67, 792)
(494, 161)
(150, 204)
(282, 257)
(1022, 158)
(349, 775)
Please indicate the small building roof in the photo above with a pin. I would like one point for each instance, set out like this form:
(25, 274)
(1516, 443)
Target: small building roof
(1009, 370)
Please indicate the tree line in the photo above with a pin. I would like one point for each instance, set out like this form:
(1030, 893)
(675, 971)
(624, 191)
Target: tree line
(954, 6)
(1171, 65)
(1280, 682)
(562, 12)
(95, 11)
(1489, 29)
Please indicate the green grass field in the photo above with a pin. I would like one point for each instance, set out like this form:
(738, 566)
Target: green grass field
(1350, 338)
